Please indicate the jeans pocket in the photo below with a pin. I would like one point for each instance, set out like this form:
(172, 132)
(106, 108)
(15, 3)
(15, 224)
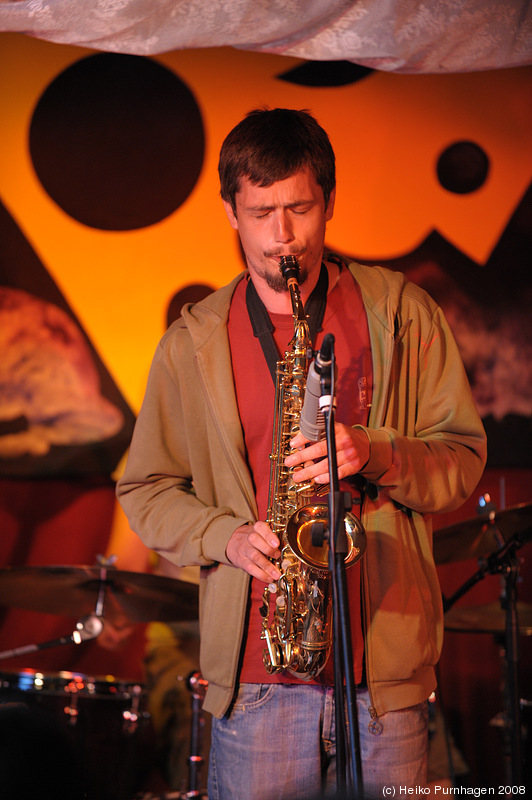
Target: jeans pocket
(252, 696)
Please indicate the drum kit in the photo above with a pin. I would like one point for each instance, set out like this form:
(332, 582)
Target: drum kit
(104, 719)
(494, 538)
(102, 592)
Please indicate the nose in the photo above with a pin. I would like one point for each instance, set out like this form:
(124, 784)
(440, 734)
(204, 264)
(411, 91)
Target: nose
(283, 227)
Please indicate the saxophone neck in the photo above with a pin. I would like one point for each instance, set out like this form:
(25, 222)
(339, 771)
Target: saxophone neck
(298, 312)
(289, 268)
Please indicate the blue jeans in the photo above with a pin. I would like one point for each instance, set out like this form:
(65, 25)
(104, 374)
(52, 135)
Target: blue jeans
(278, 743)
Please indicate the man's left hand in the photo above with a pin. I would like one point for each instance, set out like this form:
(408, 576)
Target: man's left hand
(352, 449)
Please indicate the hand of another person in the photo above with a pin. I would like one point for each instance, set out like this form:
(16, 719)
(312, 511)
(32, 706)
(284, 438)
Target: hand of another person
(352, 451)
(115, 634)
(251, 547)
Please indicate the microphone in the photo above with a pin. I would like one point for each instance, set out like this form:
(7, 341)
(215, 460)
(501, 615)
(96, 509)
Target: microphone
(311, 423)
(87, 628)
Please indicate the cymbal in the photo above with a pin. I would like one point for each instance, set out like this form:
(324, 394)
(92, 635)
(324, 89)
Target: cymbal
(482, 535)
(74, 592)
(490, 618)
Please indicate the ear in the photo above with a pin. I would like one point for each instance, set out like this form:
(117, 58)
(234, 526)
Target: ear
(330, 205)
(231, 216)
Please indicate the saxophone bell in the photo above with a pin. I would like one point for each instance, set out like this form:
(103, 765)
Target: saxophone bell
(307, 532)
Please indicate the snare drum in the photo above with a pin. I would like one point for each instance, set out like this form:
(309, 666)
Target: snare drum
(104, 719)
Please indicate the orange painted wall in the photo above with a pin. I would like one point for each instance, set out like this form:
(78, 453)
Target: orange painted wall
(388, 132)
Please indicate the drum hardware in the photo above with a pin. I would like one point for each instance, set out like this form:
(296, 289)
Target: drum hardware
(80, 591)
(481, 536)
(131, 716)
(87, 628)
(71, 710)
(496, 537)
(489, 618)
(94, 594)
(104, 720)
(79, 686)
(197, 687)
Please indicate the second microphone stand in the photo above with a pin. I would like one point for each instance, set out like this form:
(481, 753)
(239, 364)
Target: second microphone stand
(348, 760)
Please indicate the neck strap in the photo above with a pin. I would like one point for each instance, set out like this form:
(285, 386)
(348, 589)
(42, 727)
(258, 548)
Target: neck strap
(262, 324)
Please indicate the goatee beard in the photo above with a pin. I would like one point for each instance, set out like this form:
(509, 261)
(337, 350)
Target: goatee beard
(275, 281)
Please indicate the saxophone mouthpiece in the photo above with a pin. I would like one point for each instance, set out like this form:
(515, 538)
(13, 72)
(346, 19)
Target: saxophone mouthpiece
(289, 269)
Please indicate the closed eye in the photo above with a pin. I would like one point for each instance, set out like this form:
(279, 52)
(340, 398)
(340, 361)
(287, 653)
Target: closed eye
(299, 210)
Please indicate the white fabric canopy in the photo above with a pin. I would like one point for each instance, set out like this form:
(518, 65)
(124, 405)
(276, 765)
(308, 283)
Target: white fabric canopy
(429, 36)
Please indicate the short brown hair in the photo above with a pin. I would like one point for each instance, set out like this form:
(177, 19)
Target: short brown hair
(270, 145)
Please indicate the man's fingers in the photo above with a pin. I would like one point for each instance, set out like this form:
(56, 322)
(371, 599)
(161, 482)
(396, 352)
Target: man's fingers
(352, 453)
(251, 548)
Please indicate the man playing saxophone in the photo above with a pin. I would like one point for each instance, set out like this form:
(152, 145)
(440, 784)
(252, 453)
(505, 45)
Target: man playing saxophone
(196, 486)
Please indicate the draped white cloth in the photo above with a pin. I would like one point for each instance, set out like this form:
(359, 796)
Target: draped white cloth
(408, 36)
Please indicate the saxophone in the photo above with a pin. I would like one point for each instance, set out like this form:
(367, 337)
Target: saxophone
(298, 632)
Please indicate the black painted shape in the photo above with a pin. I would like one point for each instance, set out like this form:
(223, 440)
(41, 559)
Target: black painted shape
(117, 141)
(463, 167)
(325, 73)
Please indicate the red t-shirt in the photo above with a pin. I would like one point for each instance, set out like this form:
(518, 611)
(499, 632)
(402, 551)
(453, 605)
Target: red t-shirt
(345, 318)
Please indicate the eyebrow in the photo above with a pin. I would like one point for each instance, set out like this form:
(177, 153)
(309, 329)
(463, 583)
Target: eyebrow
(265, 207)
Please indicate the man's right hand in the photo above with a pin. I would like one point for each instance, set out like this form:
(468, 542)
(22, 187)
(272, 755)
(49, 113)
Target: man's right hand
(251, 547)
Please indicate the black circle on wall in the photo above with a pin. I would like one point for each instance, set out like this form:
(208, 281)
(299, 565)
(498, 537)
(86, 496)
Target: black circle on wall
(463, 167)
(117, 141)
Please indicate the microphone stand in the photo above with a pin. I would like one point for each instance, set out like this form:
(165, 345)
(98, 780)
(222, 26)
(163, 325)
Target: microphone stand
(348, 760)
(87, 628)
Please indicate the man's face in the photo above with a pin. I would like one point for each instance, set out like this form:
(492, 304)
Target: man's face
(287, 218)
